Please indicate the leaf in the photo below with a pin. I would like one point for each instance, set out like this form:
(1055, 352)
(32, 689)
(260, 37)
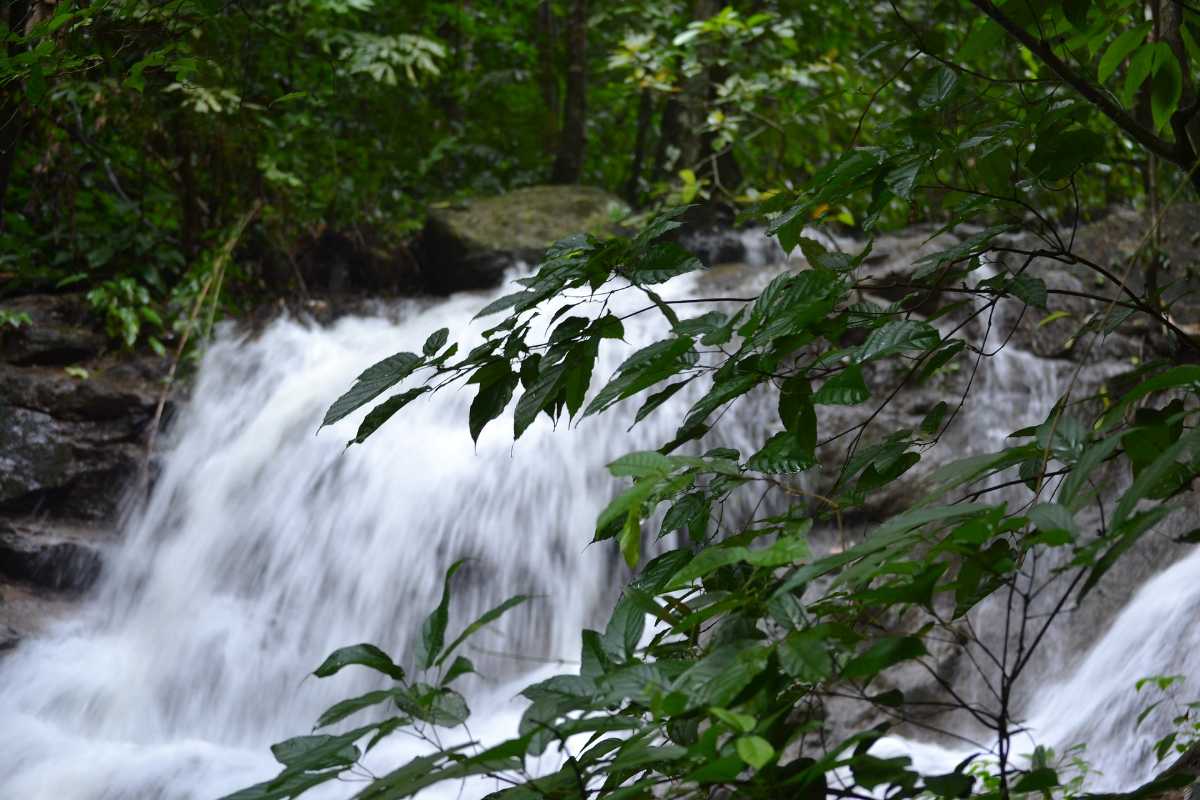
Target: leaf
(433, 631)
(1076, 12)
(367, 655)
(630, 540)
(883, 654)
(486, 618)
(898, 336)
(538, 396)
(1059, 156)
(1167, 86)
(755, 751)
(490, 403)
(1038, 780)
(460, 666)
(1121, 47)
(641, 464)
(1140, 68)
(1030, 289)
(783, 453)
(938, 88)
(339, 711)
(803, 656)
(318, 751)
(952, 784)
(373, 381)
(742, 723)
(933, 418)
(435, 341)
(383, 412)
(845, 388)
(1052, 518)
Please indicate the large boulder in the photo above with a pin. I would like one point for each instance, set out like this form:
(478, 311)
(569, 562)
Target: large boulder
(469, 246)
(60, 560)
(56, 329)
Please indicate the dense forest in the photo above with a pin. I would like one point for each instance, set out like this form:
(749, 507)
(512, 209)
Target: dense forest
(182, 161)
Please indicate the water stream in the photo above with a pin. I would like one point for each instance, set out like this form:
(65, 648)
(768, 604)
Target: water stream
(264, 547)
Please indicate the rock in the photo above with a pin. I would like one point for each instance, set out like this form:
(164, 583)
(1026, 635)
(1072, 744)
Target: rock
(59, 331)
(69, 469)
(470, 246)
(48, 560)
(337, 263)
(10, 637)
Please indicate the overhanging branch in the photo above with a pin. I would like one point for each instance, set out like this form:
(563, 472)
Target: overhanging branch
(1089, 91)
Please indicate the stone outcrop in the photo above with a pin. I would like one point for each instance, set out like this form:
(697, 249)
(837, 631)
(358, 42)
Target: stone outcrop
(73, 422)
(469, 246)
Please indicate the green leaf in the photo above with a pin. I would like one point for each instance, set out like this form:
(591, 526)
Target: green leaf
(630, 540)
(1166, 87)
(755, 751)
(938, 88)
(339, 711)
(641, 464)
(538, 396)
(952, 784)
(374, 381)
(486, 618)
(845, 388)
(1059, 156)
(899, 336)
(742, 723)
(783, 453)
(1038, 780)
(367, 655)
(1121, 47)
(459, 667)
(318, 751)
(433, 631)
(803, 656)
(490, 403)
(883, 654)
(383, 412)
(1076, 12)
(435, 341)
(1141, 67)
(1029, 289)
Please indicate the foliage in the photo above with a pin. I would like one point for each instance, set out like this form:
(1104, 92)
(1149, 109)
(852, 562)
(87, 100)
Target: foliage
(754, 628)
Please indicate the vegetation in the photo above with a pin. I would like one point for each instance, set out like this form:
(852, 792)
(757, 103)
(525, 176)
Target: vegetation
(144, 137)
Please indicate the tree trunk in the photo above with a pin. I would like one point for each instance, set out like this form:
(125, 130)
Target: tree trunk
(12, 121)
(546, 37)
(645, 113)
(568, 164)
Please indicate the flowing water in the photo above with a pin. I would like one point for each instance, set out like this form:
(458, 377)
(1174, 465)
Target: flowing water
(264, 547)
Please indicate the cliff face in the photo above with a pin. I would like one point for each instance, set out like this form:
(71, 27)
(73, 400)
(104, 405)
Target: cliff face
(73, 422)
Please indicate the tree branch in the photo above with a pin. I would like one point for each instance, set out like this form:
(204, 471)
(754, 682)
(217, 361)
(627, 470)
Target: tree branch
(1091, 93)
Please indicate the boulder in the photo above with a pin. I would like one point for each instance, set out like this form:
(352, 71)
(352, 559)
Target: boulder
(59, 331)
(48, 559)
(67, 469)
(469, 246)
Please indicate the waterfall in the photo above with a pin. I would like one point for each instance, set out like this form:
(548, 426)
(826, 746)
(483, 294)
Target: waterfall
(263, 547)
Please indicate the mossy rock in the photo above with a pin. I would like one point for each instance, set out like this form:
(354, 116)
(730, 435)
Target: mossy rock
(469, 246)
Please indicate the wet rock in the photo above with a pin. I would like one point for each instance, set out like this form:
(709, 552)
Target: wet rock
(471, 245)
(69, 469)
(338, 263)
(10, 637)
(47, 560)
(103, 396)
(59, 331)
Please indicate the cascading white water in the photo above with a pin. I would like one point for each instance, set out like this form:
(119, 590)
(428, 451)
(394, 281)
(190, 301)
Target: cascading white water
(264, 547)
